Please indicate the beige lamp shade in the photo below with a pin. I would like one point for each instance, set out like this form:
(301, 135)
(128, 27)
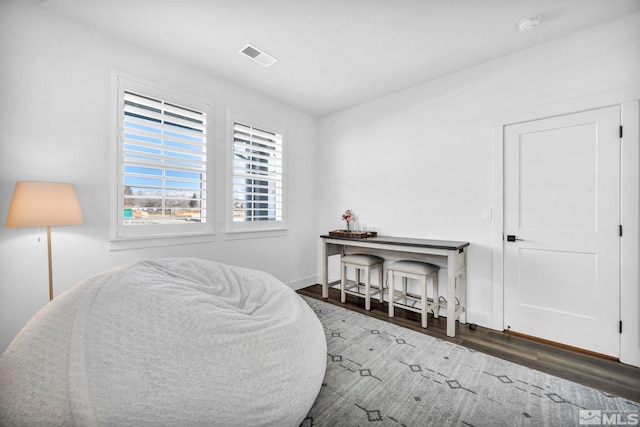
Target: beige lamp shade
(37, 204)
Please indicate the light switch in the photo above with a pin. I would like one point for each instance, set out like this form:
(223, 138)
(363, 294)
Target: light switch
(486, 214)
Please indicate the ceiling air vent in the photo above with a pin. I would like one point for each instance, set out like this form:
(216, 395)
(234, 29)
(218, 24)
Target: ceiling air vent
(257, 55)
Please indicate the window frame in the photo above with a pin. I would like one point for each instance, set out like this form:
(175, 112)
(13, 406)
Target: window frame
(271, 126)
(162, 234)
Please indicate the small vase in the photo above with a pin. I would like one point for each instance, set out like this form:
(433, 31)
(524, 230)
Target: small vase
(348, 226)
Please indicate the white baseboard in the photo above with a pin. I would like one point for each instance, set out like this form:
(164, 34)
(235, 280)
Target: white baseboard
(480, 318)
(302, 283)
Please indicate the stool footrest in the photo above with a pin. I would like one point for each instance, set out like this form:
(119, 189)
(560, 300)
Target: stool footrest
(414, 298)
(352, 288)
(431, 304)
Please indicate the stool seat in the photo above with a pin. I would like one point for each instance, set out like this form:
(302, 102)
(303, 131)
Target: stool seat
(416, 270)
(365, 263)
(414, 267)
(362, 259)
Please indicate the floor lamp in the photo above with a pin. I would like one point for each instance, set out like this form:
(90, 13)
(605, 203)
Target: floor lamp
(39, 204)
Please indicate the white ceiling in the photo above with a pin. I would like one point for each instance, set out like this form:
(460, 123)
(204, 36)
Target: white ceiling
(333, 54)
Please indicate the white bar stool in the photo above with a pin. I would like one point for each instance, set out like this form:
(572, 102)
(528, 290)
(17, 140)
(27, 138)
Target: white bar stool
(402, 299)
(366, 263)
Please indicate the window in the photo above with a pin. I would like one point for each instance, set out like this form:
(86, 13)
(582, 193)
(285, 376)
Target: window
(258, 187)
(162, 162)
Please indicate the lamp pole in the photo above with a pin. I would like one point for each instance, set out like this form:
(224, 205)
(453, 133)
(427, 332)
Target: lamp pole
(50, 265)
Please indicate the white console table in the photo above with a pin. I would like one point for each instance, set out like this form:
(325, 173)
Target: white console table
(452, 256)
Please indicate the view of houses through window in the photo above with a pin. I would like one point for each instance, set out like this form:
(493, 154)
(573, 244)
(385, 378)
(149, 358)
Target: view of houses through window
(257, 175)
(164, 162)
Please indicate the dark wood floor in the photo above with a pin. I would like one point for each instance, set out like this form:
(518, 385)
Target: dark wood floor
(597, 372)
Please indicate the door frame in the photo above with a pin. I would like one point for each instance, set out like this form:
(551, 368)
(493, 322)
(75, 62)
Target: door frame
(629, 101)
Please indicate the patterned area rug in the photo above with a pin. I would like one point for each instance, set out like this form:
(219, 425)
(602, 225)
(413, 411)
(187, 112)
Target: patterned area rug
(385, 375)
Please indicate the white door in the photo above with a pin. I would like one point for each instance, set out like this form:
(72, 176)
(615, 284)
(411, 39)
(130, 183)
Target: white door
(562, 204)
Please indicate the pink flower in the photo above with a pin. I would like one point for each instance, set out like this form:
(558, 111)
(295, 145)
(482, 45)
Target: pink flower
(348, 216)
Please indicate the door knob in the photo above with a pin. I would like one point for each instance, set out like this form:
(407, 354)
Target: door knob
(512, 238)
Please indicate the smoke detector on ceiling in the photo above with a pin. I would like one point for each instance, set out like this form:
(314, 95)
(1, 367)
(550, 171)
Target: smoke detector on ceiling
(529, 23)
(257, 55)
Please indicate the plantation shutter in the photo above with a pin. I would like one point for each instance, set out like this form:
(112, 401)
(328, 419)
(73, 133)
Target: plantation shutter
(257, 174)
(164, 161)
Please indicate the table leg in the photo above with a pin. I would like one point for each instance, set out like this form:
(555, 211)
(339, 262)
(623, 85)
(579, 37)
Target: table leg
(463, 290)
(325, 270)
(451, 294)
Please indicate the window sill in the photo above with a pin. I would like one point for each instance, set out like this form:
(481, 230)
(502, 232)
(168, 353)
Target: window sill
(124, 243)
(255, 234)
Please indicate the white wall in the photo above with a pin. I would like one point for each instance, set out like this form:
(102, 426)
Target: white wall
(55, 118)
(419, 163)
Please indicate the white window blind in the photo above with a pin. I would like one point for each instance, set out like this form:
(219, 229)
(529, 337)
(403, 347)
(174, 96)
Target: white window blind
(163, 161)
(257, 175)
